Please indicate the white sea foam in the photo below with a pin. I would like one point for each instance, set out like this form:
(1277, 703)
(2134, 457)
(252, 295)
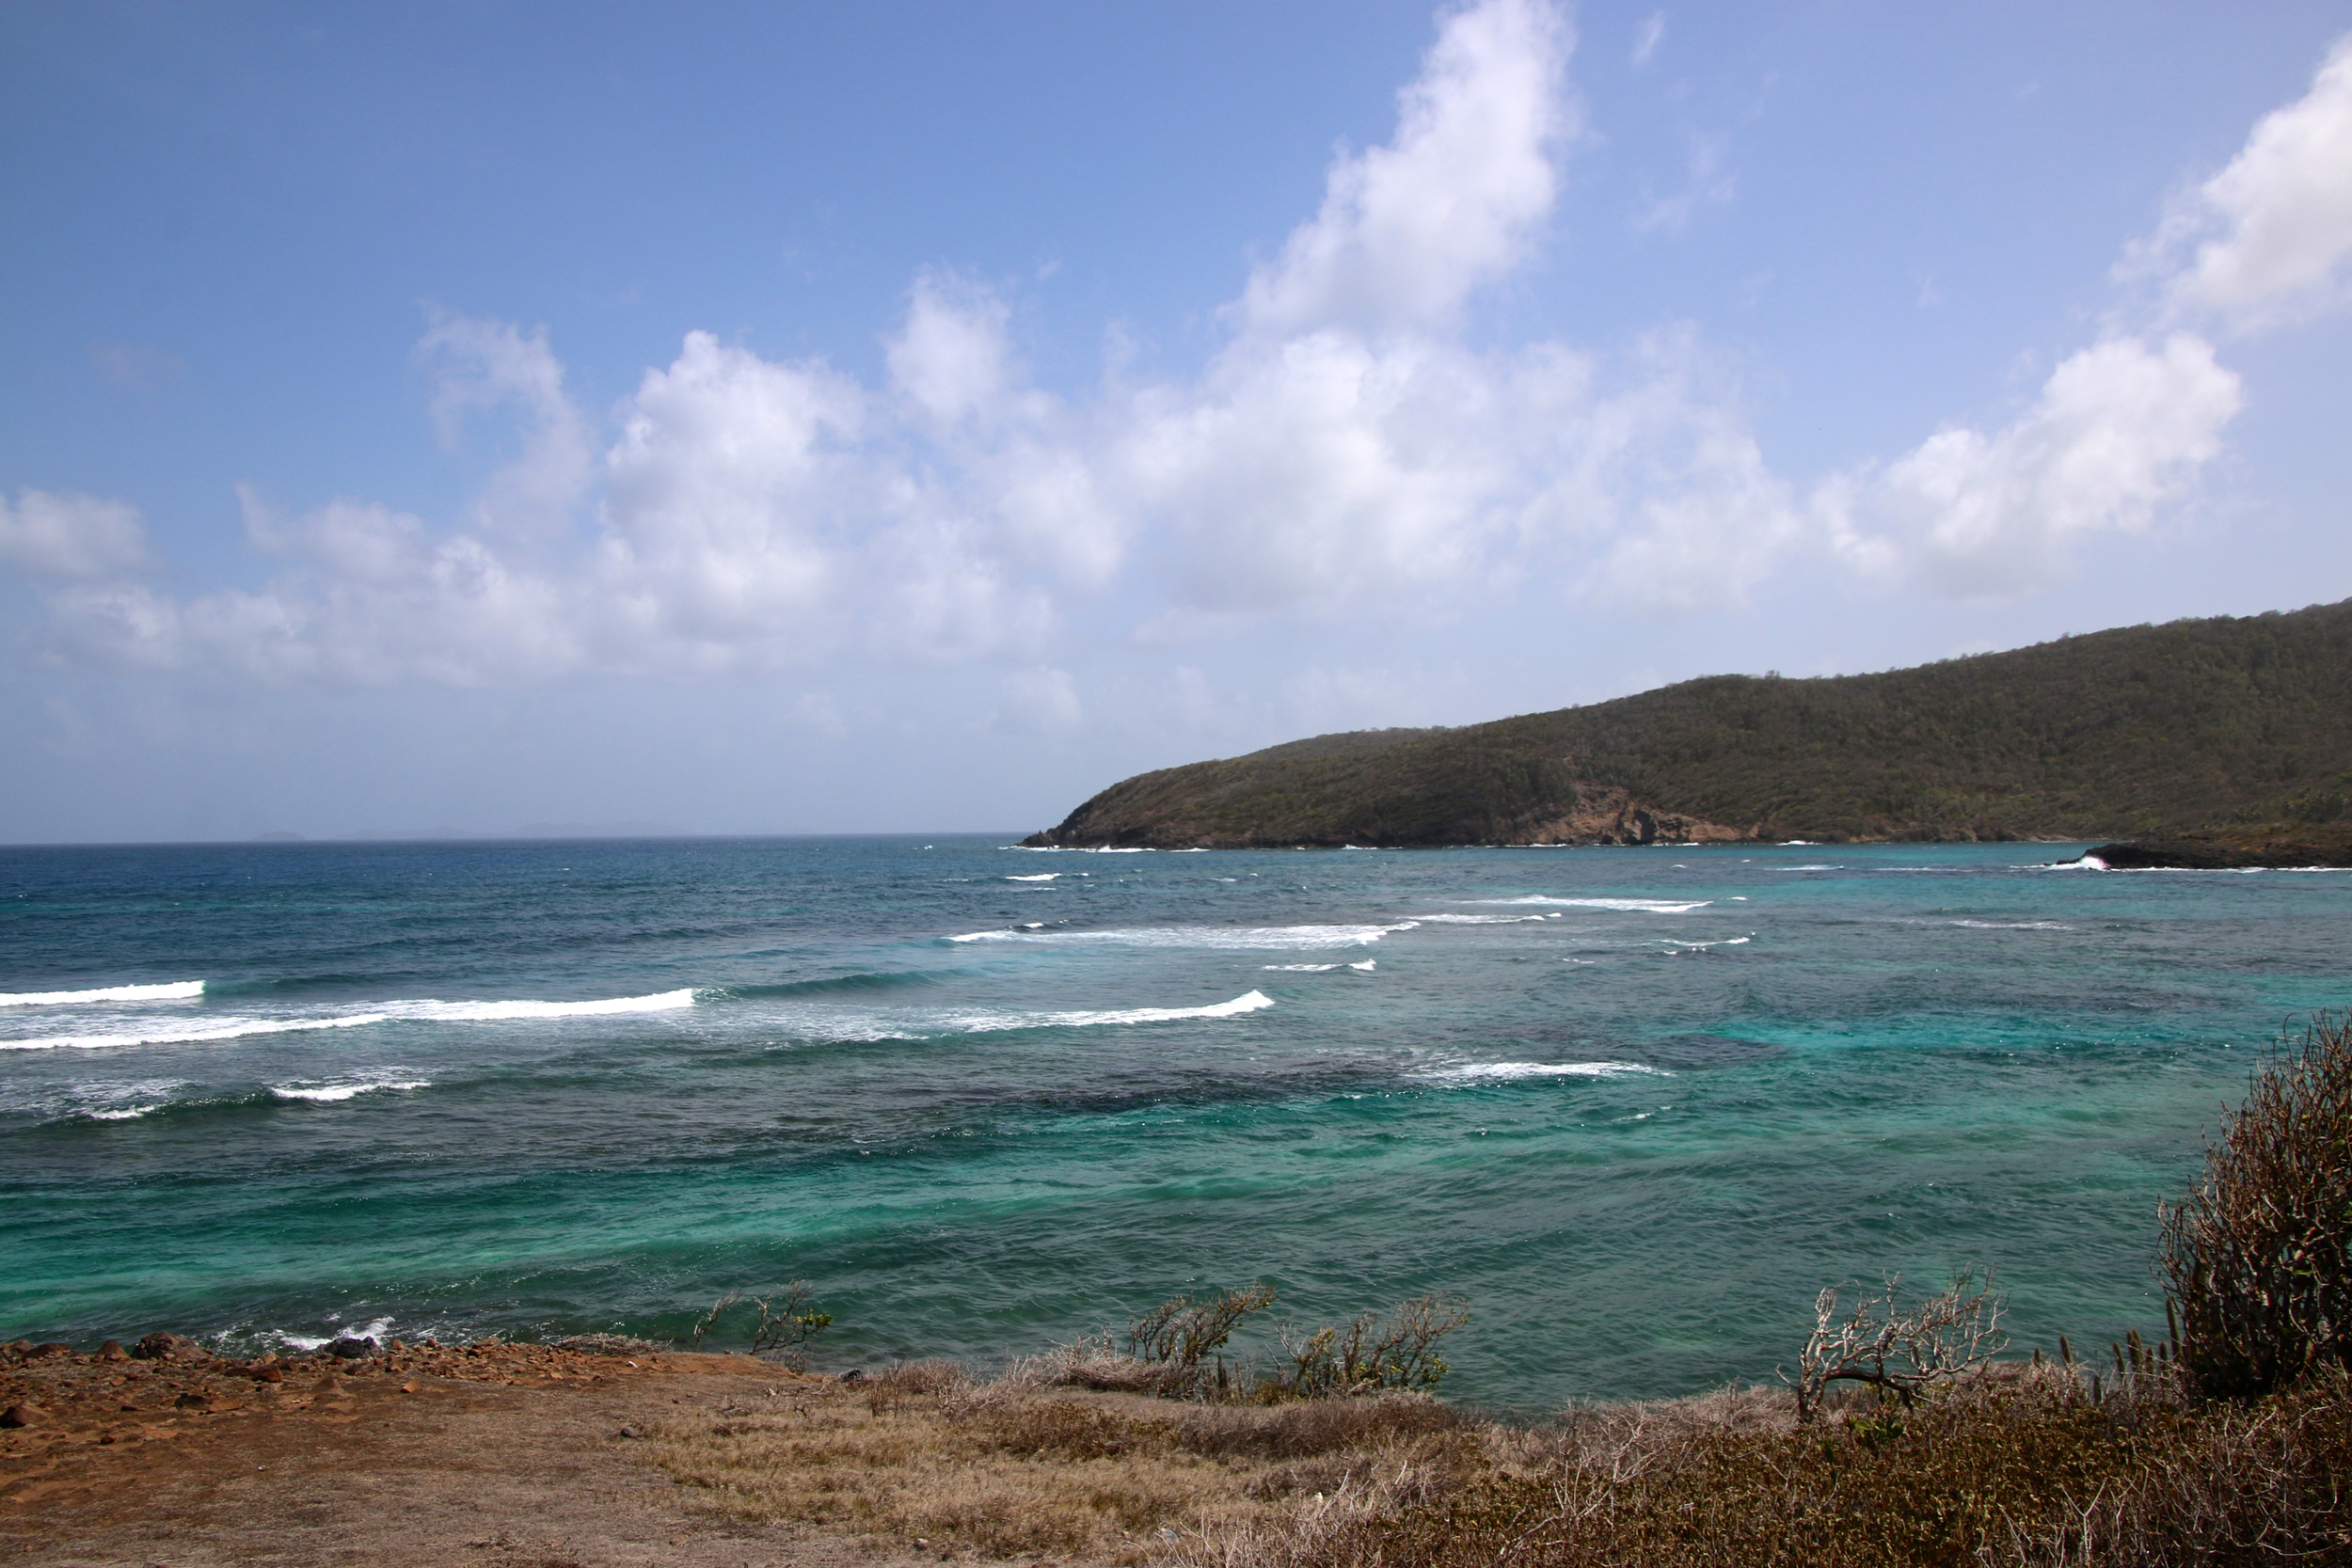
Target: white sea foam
(1366, 966)
(1510, 1071)
(1300, 969)
(1082, 850)
(1040, 877)
(185, 1030)
(1226, 938)
(327, 1093)
(2009, 925)
(1719, 941)
(1805, 868)
(486, 1012)
(986, 1022)
(123, 1101)
(305, 1343)
(1641, 906)
(177, 990)
(2089, 863)
(190, 1033)
(1482, 919)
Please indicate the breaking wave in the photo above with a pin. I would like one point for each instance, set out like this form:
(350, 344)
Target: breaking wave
(175, 991)
(1638, 906)
(1233, 939)
(1504, 1072)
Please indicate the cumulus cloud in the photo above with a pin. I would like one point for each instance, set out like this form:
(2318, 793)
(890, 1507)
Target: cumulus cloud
(1407, 229)
(45, 535)
(2265, 241)
(2120, 429)
(1350, 443)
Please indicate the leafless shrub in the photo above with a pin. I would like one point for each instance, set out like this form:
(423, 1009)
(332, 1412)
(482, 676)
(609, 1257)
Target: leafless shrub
(2258, 1259)
(787, 1320)
(709, 1320)
(1898, 1352)
(1373, 1353)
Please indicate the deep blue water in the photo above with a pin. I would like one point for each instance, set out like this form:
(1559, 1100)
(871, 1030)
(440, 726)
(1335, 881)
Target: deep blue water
(1637, 1105)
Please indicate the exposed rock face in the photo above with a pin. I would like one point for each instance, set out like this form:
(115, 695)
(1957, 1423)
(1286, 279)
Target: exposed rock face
(1604, 814)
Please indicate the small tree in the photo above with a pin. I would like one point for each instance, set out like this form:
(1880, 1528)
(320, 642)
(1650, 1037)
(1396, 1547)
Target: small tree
(2258, 1259)
(1902, 1352)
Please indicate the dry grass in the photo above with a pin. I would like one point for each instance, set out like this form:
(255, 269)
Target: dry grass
(2013, 1464)
(1022, 1466)
(2017, 1466)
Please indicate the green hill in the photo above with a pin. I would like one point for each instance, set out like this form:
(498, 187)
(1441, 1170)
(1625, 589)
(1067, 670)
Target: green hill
(2141, 731)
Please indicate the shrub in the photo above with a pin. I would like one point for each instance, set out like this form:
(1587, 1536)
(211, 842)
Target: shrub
(786, 1322)
(2255, 1259)
(1178, 1337)
(1371, 1353)
(1899, 1353)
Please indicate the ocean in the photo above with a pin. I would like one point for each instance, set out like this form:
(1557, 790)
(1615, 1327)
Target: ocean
(1637, 1106)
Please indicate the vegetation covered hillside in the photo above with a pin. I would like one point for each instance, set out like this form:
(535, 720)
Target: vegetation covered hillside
(2145, 731)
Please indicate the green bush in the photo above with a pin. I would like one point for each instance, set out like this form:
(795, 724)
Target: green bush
(2258, 1259)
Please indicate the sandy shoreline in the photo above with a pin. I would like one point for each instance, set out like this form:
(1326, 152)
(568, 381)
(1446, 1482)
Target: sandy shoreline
(507, 1456)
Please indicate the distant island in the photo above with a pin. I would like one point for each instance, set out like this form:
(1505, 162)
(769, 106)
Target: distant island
(2229, 739)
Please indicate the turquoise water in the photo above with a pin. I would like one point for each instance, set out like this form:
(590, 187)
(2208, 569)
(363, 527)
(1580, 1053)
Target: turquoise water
(1637, 1105)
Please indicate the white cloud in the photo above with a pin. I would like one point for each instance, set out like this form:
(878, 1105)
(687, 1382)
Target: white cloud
(951, 357)
(733, 483)
(46, 535)
(483, 367)
(1349, 446)
(2120, 429)
(2267, 238)
(1406, 230)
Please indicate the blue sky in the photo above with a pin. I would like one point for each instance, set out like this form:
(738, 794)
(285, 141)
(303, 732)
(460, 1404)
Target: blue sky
(805, 418)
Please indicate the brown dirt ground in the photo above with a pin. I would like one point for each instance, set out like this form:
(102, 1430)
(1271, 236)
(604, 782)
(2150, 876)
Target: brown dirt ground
(500, 1456)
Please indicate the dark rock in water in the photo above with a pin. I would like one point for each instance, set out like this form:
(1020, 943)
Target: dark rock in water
(350, 1349)
(2275, 847)
(1697, 1053)
(160, 1346)
(2149, 854)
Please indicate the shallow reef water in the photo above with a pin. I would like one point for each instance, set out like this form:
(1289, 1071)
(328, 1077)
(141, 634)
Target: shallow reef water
(1637, 1105)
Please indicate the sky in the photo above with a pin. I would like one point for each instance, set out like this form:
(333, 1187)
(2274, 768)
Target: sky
(918, 416)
